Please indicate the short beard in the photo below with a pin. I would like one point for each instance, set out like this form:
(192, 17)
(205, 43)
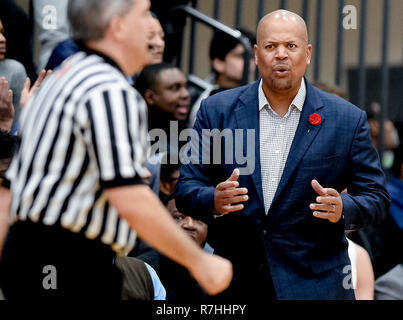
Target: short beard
(281, 84)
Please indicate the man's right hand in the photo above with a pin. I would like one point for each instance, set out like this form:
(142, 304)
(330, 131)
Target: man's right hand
(227, 195)
(212, 272)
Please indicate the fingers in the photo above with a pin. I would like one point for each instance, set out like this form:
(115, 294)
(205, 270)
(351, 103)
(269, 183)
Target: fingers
(323, 207)
(329, 203)
(27, 84)
(42, 75)
(234, 176)
(323, 215)
(318, 188)
(232, 208)
(227, 196)
(227, 185)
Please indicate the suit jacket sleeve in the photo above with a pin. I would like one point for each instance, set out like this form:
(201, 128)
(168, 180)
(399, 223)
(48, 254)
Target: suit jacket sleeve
(194, 192)
(367, 201)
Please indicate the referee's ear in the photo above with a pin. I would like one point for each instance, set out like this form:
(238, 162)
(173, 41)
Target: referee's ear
(115, 29)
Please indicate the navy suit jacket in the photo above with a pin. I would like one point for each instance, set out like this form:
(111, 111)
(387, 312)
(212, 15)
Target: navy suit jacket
(307, 256)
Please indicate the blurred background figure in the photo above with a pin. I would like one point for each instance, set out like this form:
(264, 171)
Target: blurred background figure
(15, 74)
(178, 283)
(18, 31)
(156, 41)
(227, 66)
(51, 26)
(390, 136)
(227, 63)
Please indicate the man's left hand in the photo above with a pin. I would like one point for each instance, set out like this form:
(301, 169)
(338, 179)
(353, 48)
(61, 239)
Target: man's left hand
(329, 203)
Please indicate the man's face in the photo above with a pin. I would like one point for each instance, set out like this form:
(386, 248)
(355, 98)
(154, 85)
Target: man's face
(196, 229)
(282, 54)
(156, 42)
(231, 69)
(2, 43)
(170, 93)
(136, 25)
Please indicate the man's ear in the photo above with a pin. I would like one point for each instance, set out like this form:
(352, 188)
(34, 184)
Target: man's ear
(115, 28)
(308, 54)
(149, 97)
(218, 65)
(255, 54)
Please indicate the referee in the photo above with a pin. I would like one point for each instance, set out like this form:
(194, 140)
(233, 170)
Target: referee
(74, 193)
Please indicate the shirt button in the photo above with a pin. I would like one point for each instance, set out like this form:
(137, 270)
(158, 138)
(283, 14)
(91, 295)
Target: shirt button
(277, 151)
(265, 232)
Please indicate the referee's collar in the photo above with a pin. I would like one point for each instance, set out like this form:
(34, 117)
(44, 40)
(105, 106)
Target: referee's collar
(81, 45)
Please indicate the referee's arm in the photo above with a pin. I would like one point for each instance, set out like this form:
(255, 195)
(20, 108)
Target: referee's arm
(145, 214)
(115, 120)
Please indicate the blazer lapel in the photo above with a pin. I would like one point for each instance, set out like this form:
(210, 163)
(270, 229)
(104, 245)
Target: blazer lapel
(303, 138)
(247, 117)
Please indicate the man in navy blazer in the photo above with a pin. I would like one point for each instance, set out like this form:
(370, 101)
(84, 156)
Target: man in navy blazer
(280, 217)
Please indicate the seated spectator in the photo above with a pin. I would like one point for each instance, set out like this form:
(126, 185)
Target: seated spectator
(227, 62)
(15, 74)
(164, 88)
(390, 136)
(178, 283)
(165, 175)
(19, 34)
(391, 229)
(227, 65)
(9, 141)
(156, 42)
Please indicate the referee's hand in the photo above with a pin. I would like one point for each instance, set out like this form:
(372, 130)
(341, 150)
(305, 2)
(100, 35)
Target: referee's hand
(213, 273)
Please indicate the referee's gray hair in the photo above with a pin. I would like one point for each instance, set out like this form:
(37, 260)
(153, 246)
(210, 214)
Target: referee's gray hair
(90, 18)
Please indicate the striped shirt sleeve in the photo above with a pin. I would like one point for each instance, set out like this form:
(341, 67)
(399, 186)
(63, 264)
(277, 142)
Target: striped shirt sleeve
(114, 132)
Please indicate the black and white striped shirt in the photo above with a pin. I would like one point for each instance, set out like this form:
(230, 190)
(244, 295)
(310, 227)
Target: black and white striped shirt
(83, 132)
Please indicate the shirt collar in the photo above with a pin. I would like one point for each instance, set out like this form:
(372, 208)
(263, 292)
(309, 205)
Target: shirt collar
(298, 101)
(89, 51)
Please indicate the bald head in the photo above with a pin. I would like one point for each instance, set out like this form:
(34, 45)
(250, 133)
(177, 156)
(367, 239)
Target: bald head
(286, 18)
(282, 53)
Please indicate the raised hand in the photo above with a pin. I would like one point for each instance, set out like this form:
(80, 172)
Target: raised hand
(227, 195)
(329, 203)
(6, 106)
(28, 92)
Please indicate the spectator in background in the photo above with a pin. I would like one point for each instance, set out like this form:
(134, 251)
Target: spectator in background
(7, 140)
(390, 136)
(156, 42)
(227, 66)
(164, 88)
(52, 26)
(14, 72)
(18, 31)
(172, 24)
(164, 176)
(178, 283)
(389, 252)
(227, 62)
